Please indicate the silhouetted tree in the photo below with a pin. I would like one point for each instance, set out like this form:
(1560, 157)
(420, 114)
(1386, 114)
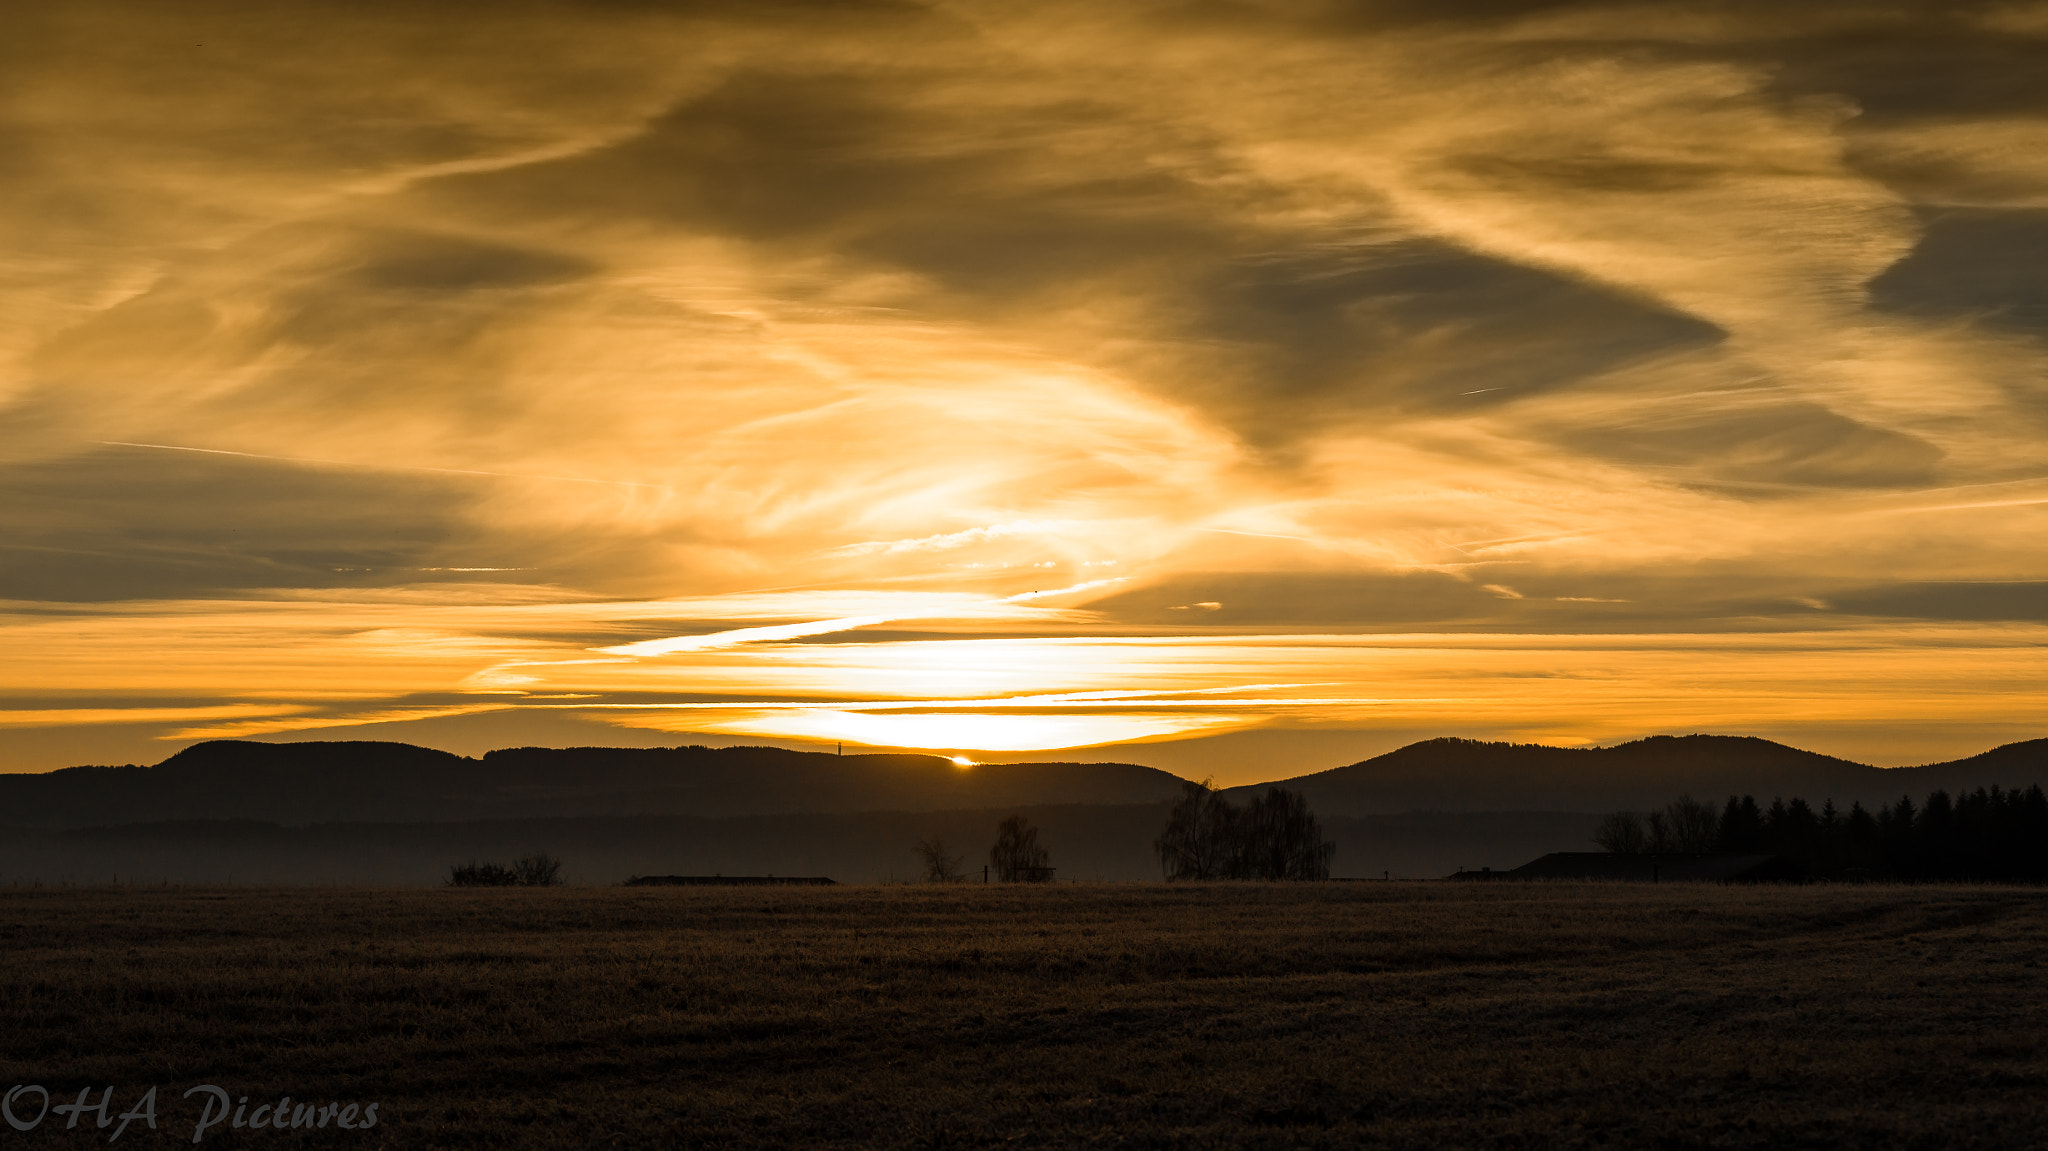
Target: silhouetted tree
(474, 874)
(1939, 851)
(1742, 826)
(1658, 833)
(1897, 848)
(1832, 828)
(940, 865)
(1690, 826)
(1794, 831)
(1986, 834)
(1201, 835)
(537, 870)
(1016, 852)
(1275, 836)
(1859, 840)
(1622, 833)
(1774, 824)
(2030, 830)
(1280, 838)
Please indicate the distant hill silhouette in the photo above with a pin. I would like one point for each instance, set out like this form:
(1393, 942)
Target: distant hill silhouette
(2019, 764)
(1470, 775)
(364, 782)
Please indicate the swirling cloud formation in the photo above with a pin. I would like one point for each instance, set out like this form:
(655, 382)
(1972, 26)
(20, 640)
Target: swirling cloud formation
(1011, 378)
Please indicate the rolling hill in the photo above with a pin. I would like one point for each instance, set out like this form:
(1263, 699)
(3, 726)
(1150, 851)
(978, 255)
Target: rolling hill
(395, 813)
(364, 782)
(1469, 775)
(306, 783)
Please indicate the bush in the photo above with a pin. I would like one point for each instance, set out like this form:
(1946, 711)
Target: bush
(940, 864)
(474, 874)
(537, 870)
(1622, 833)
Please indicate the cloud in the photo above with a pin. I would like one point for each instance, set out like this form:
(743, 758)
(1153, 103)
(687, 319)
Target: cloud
(1979, 263)
(949, 541)
(775, 633)
(769, 634)
(353, 358)
(67, 716)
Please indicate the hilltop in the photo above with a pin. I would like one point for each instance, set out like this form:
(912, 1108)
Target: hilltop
(366, 782)
(1470, 775)
(1494, 803)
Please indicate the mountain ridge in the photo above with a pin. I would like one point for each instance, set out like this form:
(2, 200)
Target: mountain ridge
(1452, 774)
(375, 782)
(370, 782)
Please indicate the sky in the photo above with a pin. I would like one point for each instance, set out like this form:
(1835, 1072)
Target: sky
(1242, 388)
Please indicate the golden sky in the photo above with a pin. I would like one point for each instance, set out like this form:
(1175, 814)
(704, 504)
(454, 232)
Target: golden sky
(1268, 383)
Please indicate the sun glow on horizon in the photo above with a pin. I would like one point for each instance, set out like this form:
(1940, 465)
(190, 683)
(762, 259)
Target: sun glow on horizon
(982, 731)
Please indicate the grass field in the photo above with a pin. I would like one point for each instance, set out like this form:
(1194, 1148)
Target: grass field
(1361, 1014)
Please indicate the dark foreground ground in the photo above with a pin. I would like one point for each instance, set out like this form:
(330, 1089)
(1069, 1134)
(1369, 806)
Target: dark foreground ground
(1338, 1015)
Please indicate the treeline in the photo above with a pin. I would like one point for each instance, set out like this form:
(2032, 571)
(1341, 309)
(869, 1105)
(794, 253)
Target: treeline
(1274, 836)
(1980, 835)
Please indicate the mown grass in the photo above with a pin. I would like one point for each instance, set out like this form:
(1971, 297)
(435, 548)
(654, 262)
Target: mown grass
(1397, 1015)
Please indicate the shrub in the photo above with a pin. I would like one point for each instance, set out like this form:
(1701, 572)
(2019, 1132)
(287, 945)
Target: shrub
(940, 864)
(1622, 833)
(537, 870)
(474, 874)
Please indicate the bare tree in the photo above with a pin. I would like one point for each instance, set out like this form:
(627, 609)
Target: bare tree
(474, 874)
(538, 870)
(1275, 836)
(1280, 838)
(1691, 826)
(1016, 854)
(1622, 833)
(1659, 833)
(1200, 840)
(940, 865)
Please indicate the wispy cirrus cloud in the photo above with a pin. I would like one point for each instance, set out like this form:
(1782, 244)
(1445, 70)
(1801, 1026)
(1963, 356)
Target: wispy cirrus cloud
(356, 360)
(948, 541)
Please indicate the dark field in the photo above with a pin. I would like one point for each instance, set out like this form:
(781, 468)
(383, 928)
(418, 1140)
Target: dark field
(1361, 1014)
